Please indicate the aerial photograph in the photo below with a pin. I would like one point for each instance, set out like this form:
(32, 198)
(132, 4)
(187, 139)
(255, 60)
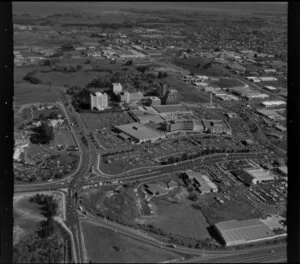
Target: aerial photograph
(150, 132)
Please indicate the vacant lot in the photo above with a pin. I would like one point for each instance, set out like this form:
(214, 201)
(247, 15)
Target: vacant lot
(177, 216)
(30, 93)
(105, 246)
(235, 208)
(115, 204)
(63, 138)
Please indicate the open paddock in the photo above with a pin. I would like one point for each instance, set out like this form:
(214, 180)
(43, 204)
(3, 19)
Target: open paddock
(117, 248)
(30, 93)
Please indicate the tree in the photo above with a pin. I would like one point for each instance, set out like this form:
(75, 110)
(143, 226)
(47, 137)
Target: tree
(67, 47)
(42, 134)
(130, 62)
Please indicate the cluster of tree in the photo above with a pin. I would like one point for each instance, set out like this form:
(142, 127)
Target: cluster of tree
(193, 196)
(100, 82)
(46, 116)
(42, 134)
(67, 68)
(48, 204)
(186, 156)
(80, 98)
(142, 69)
(162, 75)
(29, 77)
(67, 47)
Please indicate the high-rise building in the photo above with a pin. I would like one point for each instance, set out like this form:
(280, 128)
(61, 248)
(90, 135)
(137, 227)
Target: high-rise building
(130, 97)
(163, 90)
(117, 88)
(99, 101)
(172, 97)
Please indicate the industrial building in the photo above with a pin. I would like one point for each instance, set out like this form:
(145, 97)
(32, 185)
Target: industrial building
(226, 97)
(216, 127)
(99, 101)
(254, 95)
(253, 176)
(138, 133)
(236, 232)
(202, 182)
(117, 88)
(273, 103)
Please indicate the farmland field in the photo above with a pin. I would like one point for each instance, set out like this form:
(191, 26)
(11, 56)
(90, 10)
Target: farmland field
(29, 93)
(179, 218)
(105, 246)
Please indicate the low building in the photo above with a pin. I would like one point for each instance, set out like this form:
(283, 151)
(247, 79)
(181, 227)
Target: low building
(254, 176)
(204, 184)
(176, 108)
(283, 170)
(254, 95)
(236, 232)
(254, 79)
(216, 127)
(270, 88)
(139, 133)
(268, 79)
(153, 100)
(273, 103)
(184, 125)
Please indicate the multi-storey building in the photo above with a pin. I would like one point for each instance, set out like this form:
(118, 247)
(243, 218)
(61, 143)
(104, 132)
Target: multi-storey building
(117, 88)
(99, 100)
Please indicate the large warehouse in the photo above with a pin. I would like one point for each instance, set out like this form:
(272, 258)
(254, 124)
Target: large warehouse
(241, 232)
(253, 176)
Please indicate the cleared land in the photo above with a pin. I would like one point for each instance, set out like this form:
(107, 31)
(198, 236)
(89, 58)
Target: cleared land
(105, 246)
(178, 217)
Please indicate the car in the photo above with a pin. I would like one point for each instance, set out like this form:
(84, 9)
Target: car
(272, 251)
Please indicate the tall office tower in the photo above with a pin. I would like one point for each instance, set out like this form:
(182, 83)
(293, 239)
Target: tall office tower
(117, 88)
(99, 101)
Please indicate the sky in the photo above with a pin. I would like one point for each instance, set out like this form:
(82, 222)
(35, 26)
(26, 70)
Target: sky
(46, 8)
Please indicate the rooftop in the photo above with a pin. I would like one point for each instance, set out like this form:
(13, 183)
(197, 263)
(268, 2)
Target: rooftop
(244, 231)
(170, 108)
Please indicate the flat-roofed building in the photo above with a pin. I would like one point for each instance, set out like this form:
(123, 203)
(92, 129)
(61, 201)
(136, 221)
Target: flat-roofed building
(203, 183)
(270, 88)
(236, 232)
(254, 176)
(153, 100)
(268, 79)
(273, 103)
(255, 95)
(99, 101)
(130, 97)
(176, 108)
(139, 133)
(184, 124)
(216, 126)
(283, 170)
(117, 88)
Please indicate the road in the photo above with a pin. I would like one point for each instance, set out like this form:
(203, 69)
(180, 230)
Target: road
(76, 180)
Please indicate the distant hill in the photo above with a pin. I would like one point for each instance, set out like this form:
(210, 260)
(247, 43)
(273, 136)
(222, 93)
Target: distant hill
(46, 8)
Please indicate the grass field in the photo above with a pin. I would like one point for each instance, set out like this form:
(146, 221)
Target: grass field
(179, 218)
(202, 66)
(30, 93)
(236, 208)
(63, 138)
(105, 246)
(24, 115)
